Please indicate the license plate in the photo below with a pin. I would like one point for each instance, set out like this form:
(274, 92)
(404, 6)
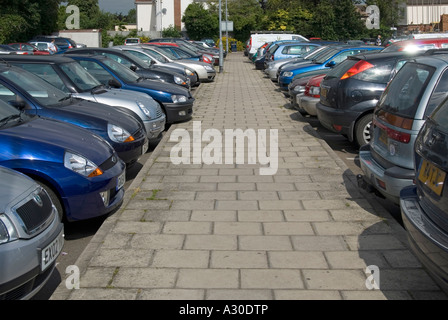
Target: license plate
(432, 177)
(121, 180)
(323, 92)
(145, 147)
(51, 252)
(383, 137)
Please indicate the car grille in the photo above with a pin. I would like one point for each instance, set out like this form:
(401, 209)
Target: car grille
(35, 212)
(159, 112)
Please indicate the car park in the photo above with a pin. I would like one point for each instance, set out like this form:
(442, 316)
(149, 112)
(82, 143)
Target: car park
(158, 61)
(28, 48)
(424, 206)
(326, 60)
(79, 170)
(204, 71)
(387, 162)
(31, 235)
(176, 102)
(136, 64)
(33, 95)
(351, 90)
(67, 75)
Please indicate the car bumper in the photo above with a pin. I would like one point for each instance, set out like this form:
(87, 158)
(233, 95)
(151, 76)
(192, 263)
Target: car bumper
(87, 202)
(284, 82)
(389, 182)
(155, 127)
(23, 259)
(130, 152)
(177, 112)
(428, 242)
(308, 104)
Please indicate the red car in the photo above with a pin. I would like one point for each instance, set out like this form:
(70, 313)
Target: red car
(28, 48)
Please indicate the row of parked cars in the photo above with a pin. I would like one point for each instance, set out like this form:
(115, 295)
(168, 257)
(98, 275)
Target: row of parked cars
(392, 102)
(71, 125)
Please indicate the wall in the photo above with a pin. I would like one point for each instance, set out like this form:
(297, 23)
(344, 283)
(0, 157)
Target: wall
(89, 37)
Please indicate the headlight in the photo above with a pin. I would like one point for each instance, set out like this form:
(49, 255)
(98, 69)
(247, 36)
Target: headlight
(178, 80)
(144, 109)
(118, 134)
(287, 74)
(299, 89)
(189, 72)
(315, 91)
(178, 98)
(8, 232)
(81, 165)
(209, 68)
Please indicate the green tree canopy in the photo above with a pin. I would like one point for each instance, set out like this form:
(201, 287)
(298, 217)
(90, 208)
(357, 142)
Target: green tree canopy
(199, 22)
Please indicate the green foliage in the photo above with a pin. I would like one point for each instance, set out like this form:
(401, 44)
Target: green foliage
(171, 32)
(199, 22)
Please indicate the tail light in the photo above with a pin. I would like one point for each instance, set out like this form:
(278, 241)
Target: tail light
(357, 68)
(396, 121)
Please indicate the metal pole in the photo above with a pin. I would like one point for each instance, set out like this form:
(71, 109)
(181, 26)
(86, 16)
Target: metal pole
(221, 55)
(227, 32)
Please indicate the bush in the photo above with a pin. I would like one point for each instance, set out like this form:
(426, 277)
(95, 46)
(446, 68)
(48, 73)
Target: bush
(171, 32)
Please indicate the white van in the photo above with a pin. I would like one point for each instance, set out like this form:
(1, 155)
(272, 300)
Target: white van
(258, 39)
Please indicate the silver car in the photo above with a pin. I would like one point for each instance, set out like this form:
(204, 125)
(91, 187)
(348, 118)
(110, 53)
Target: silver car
(68, 76)
(31, 236)
(416, 90)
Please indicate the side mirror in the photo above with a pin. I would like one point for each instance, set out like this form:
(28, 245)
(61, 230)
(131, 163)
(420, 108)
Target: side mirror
(114, 83)
(133, 67)
(330, 64)
(18, 104)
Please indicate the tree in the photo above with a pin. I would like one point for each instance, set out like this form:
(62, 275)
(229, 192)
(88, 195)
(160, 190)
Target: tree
(199, 22)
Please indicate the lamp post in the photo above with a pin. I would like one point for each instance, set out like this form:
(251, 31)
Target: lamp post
(221, 56)
(227, 31)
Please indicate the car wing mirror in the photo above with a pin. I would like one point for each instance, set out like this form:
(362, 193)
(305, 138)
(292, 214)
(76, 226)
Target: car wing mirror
(114, 83)
(133, 67)
(18, 104)
(330, 64)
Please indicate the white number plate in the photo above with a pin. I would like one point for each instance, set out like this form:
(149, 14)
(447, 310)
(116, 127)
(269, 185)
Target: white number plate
(121, 180)
(52, 251)
(145, 147)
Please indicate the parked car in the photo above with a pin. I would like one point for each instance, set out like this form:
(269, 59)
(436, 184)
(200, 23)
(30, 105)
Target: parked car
(258, 39)
(413, 45)
(204, 71)
(183, 53)
(62, 43)
(29, 49)
(176, 102)
(6, 49)
(28, 92)
(350, 92)
(285, 50)
(158, 62)
(132, 41)
(297, 87)
(67, 75)
(328, 60)
(80, 171)
(43, 46)
(136, 64)
(31, 236)
(424, 206)
(387, 161)
(311, 96)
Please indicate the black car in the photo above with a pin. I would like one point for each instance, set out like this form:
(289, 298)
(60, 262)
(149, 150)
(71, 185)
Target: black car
(351, 90)
(424, 206)
(136, 64)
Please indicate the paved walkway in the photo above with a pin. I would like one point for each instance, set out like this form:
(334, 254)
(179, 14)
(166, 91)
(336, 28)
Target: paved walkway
(224, 231)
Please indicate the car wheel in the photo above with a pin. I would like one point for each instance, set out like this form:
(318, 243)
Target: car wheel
(362, 130)
(54, 198)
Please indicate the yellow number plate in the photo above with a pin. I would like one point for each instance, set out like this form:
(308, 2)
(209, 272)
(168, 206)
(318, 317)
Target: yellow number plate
(323, 92)
(383, 136)
(432, 177)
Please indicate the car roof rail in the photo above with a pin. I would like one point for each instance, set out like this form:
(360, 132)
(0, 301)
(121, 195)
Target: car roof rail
(431, 52)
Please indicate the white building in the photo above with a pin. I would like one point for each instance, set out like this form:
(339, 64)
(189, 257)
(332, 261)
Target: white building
(155, 15)
(423, 11)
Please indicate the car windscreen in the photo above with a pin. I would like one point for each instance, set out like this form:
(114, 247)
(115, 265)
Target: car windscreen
(126, 74)
(404, 92)
(325, 56)
(168, 53)
(79, 76)
(39, 89)
(156, 55)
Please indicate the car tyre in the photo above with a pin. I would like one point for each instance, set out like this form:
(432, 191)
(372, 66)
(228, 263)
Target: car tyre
(362, 130)
(54, 198)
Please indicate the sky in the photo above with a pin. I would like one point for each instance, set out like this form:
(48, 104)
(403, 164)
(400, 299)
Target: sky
(116, 6)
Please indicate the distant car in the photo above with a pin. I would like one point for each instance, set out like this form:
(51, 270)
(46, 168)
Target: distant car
(350, 92)
(311, 96)
(297, 88)
(43, 46)
(33, 95)
(138, 65)
(68, 75)
(31, 235)
(413, 45)
(424, 206)
(328, 60)
(6, 49)
(387, 162)
(63, 44)
(176, 101)
(132, 41)
(29, 49)
(286, 50)
(80, 171)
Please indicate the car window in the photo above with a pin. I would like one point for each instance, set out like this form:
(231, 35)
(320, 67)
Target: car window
(380, 73)
(439, 94)
(440, 116)
(181, 53)
(95, 69)
(343, 55)
(117, 58)
(46, 72)
(403, 94)
(42, 46)
(78, 75)
(156, 55)
(444, 45)
(141, 56)
(296, 49)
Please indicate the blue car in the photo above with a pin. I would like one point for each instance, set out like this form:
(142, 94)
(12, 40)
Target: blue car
(177, 102)
(80, 171)
(285, 50)
(326, 60)
(34, 95)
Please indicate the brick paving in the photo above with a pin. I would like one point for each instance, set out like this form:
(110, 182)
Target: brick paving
(223, 231)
